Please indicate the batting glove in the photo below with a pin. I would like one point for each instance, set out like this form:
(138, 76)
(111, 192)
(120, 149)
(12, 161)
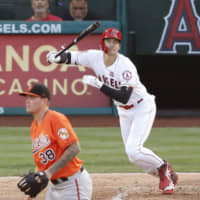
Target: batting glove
(92, 80)
(51, 57)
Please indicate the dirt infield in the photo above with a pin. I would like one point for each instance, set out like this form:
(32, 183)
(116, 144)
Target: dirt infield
(135, 186)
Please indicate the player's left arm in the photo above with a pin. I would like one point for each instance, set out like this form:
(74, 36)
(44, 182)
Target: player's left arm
(70, 152)
(122, 95)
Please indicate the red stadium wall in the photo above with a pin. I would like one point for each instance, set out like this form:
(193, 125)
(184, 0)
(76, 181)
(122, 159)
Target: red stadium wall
(23, 60)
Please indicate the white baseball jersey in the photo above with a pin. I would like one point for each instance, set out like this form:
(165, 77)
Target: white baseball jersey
(137, 116)
(121, 73)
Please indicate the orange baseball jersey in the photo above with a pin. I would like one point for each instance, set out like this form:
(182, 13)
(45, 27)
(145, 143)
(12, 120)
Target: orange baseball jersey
(50, 139)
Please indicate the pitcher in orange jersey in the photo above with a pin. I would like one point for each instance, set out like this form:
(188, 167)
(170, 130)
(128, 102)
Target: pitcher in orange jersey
(55, 147)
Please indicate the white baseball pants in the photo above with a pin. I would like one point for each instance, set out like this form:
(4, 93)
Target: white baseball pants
(78, 187)
(136, 124)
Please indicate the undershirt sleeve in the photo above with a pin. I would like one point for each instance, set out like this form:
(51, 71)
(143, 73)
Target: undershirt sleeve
(121, 95)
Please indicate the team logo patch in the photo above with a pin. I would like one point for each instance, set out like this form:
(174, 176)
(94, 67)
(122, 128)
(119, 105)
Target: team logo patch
(63, 133)
(127, 75)
(40, 143)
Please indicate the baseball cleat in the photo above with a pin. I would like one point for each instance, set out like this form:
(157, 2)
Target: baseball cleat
(174, 177)
(165, 174)
(169, 189)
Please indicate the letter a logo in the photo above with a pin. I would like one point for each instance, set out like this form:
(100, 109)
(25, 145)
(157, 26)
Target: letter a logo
(182, 27)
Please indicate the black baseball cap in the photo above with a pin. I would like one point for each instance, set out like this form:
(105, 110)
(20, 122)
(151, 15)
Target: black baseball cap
(38, 90)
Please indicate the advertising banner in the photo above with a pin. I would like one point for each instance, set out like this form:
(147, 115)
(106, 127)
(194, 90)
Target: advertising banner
(23, 61)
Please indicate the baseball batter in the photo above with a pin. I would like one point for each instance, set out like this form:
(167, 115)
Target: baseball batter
(117, 77)
(55, 147)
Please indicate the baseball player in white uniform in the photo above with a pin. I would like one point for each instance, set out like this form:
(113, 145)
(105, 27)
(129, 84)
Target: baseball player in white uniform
(117, 77)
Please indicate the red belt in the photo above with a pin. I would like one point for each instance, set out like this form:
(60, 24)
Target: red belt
(131, 106)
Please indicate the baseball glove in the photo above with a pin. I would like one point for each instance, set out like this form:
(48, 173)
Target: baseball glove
(33, 183)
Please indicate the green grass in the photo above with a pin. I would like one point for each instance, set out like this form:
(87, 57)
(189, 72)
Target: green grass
(103, 150)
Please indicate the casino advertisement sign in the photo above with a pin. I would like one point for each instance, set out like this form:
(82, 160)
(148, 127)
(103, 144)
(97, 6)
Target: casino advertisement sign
(23, 61)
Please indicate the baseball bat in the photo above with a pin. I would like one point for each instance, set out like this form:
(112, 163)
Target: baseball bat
(83, 34)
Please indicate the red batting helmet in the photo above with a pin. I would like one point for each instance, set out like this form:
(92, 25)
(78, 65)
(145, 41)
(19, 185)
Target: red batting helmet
(110, 33)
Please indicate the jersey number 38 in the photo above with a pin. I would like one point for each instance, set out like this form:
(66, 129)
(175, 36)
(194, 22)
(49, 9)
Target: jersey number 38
(47, 156)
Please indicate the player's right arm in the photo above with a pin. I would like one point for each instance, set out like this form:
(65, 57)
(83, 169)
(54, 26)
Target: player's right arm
(70, 152)
(74, 57)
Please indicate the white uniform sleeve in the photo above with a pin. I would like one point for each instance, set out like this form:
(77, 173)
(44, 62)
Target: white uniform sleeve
(82, 57)
(128, 74)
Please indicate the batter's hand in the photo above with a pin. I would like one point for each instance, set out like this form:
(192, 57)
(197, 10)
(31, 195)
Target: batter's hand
(92, 80)
(51, 57)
